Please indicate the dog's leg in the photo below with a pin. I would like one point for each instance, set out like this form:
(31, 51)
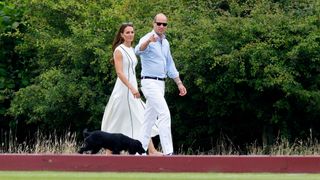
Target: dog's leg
(95, 150)
(84, 148)
(81, 150)
(115, 152)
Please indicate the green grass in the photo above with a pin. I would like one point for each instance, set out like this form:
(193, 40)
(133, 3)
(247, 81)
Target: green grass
(48, 175)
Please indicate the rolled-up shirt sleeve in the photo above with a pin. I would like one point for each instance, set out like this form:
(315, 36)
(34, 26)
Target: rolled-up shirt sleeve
(137, 48)
(171, 67)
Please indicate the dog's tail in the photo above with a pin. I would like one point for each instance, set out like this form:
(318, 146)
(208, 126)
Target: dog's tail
(85, 133)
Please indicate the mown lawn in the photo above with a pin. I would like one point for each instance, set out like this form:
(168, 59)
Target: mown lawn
(50, 175)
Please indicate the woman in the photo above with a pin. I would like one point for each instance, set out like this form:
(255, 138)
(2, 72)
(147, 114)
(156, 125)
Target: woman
(124, 111)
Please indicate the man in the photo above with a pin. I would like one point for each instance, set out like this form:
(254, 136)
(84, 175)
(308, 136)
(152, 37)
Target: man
(157, 64)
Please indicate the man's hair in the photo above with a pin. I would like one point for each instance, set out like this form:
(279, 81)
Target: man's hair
(155, 17)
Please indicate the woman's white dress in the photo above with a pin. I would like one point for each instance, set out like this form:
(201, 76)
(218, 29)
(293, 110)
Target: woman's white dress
(124, 113)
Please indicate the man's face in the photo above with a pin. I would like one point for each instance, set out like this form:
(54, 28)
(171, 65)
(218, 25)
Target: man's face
(160, 25)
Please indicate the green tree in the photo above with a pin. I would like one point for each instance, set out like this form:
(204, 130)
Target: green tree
(251, 67)
(15, 72)
(72, 40)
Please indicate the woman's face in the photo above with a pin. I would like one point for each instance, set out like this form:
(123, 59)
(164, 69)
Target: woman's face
(128, 34)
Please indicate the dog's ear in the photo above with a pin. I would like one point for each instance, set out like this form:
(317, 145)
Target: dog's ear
(136, 147)
(140, 148)
(85, 133)
(141, 151)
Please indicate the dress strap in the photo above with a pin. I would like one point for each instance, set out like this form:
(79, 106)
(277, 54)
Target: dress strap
(130, 59)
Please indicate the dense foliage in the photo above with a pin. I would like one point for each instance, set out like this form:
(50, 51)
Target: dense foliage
(15, 70)
(252, 68)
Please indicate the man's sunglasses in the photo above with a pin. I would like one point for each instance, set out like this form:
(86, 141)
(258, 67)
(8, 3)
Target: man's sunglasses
(159, 24)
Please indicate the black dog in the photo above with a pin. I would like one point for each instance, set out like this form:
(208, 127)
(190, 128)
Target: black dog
(115, 142)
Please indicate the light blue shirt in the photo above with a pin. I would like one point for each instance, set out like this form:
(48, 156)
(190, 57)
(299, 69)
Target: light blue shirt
(156, 59)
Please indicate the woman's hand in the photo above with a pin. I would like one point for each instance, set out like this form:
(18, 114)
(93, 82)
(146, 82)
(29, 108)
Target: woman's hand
(135, 93)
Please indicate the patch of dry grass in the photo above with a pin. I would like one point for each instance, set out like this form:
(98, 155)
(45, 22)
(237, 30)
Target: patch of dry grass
(283, 147)
(67, 144)
(51, 144)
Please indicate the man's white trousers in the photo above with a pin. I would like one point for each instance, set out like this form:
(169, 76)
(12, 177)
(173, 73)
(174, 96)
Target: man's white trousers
(156, 112)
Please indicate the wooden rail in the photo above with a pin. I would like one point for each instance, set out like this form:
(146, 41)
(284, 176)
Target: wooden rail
(177, 163)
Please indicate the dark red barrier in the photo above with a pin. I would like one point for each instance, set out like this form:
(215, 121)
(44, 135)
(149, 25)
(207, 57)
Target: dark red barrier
(180, 163)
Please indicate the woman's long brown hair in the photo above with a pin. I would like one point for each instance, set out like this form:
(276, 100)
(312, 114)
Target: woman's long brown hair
(118, 39)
